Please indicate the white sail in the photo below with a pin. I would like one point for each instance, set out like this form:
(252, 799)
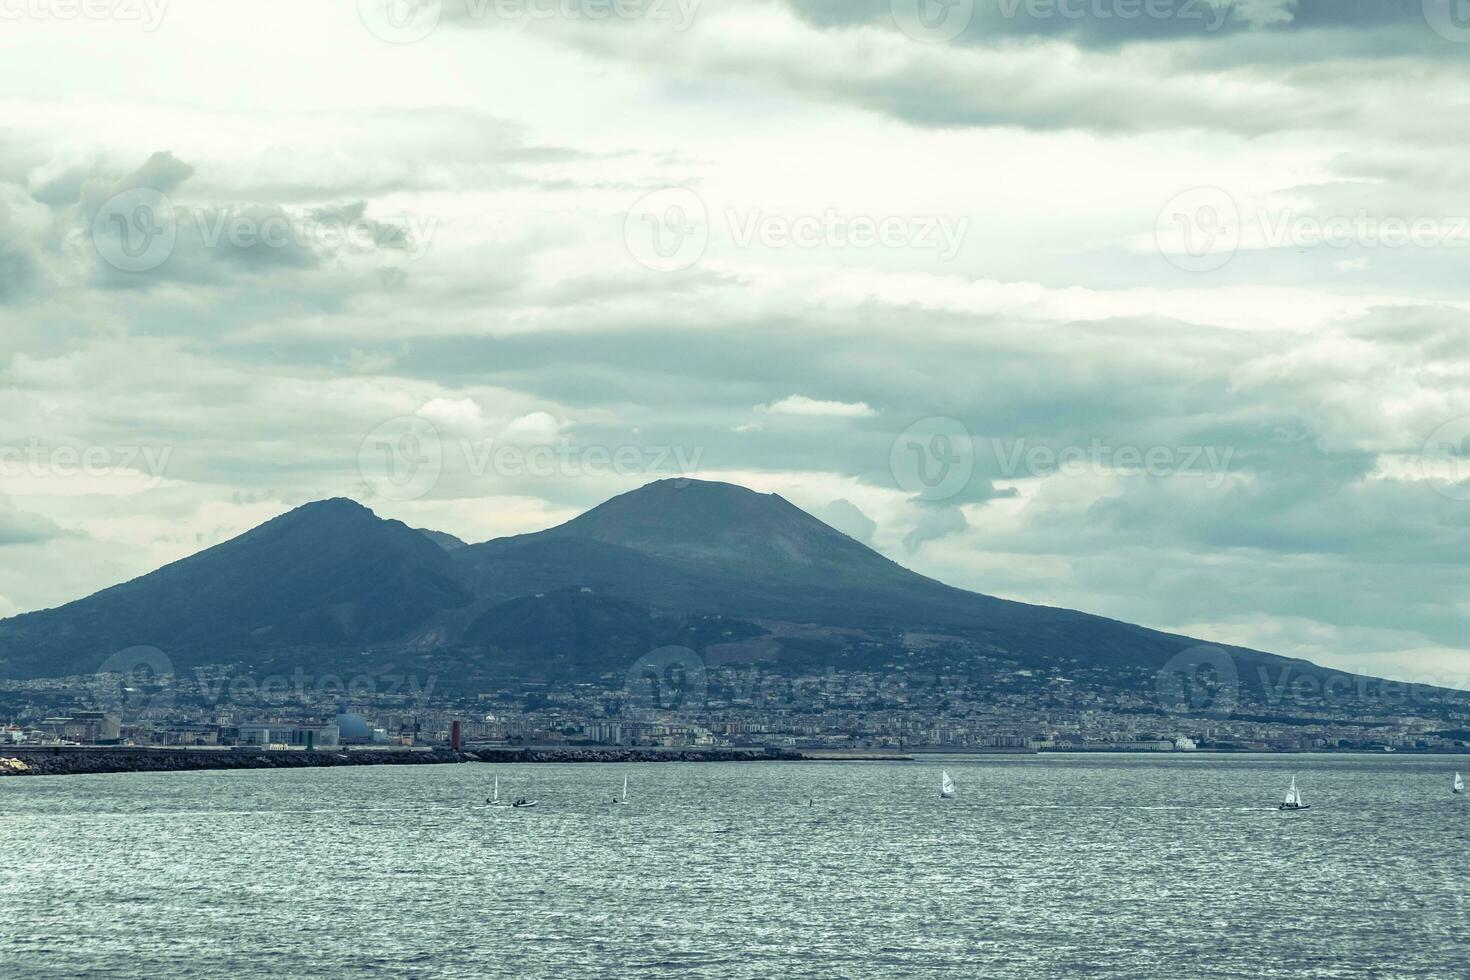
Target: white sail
(1459, 784)
(1293, 795)
(496, 797)
(625, 789)
(946, 785)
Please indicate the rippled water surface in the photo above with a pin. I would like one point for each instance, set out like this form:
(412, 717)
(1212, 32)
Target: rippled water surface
(1130, 867)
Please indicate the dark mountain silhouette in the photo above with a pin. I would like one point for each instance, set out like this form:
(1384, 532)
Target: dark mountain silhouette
(734, 574)
(328, 575)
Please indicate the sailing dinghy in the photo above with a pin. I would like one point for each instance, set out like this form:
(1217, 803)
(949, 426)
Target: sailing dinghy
(624, 801)
(1293, 799)
(495, 800)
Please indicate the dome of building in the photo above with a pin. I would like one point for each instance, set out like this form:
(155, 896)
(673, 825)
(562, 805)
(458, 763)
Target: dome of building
(353, 727)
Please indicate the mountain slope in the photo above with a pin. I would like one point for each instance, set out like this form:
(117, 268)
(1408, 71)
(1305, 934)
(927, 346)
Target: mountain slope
(327, 575)
(734, 574)
(687, 548)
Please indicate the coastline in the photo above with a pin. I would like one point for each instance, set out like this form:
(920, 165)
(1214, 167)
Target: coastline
(92, 760)
(68, 760)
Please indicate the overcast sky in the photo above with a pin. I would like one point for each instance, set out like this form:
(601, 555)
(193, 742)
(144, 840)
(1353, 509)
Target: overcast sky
(1143, 307)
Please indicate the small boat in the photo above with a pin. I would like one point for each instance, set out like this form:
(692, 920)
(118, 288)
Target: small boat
(495, 800)
(1293, 799)
(946, 785)
(624, 801)
(1459, 784)
(524, 804)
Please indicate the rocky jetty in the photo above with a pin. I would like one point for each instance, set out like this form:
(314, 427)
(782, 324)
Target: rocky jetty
(69, 761)
(633, 755)
(79, 760)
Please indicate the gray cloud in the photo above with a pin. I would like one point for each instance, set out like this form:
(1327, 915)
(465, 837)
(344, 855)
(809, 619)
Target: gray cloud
(18, 527)
(848, 518)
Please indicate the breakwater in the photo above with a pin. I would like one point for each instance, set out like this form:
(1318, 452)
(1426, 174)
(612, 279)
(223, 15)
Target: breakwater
(71, 761)
(80, 760)
(634, 755)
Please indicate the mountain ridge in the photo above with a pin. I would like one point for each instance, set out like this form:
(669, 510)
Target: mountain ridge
(674, 562)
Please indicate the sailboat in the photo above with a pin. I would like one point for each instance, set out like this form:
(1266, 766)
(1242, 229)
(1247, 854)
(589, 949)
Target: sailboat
(1293, 799)
(946, 785)
(1459, 784)
(624, 800)
(495, 800)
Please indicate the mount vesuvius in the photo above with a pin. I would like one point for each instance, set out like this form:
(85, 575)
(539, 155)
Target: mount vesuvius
(736, 575)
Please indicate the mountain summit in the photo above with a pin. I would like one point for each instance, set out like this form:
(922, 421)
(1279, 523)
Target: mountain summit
(695, 520)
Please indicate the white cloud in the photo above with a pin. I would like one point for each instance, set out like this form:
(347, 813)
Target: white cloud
(802, 406)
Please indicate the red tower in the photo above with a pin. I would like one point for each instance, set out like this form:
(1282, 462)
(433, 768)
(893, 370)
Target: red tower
(454, 736)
